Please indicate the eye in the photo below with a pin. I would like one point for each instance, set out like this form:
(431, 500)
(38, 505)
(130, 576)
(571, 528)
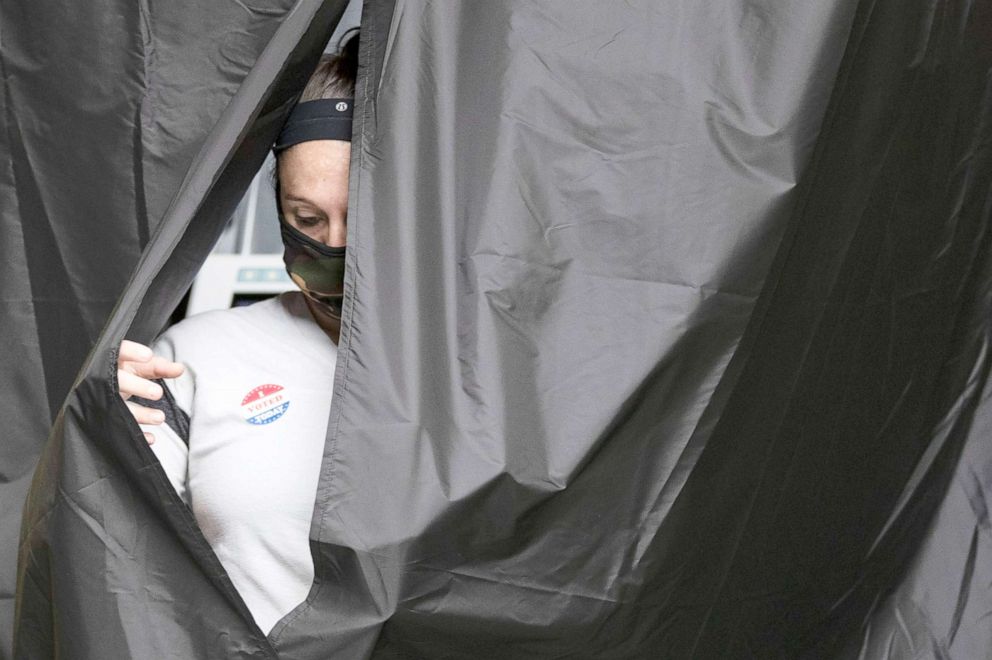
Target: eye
(307, 220)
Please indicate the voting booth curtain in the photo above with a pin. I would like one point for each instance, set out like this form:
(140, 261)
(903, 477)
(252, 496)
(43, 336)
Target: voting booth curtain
(666, 331)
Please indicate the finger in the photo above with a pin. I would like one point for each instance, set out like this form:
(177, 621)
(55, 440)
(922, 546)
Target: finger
(131, 385)
(132, 351)
(149, 438)
(157, 367)
(145, 415)
(163, 368)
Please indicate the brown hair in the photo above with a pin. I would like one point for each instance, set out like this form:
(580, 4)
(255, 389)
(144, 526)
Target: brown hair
(334, 77)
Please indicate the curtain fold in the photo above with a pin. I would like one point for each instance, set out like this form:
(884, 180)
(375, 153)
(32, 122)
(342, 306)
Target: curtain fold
(105, 541)
(666, 336)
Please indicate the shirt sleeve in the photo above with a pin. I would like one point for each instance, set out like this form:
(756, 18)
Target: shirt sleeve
(171, 445)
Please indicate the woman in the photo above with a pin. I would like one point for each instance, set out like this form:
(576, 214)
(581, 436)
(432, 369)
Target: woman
(239, 425)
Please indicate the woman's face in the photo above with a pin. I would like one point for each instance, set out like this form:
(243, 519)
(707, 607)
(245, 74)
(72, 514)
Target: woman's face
(313, 189)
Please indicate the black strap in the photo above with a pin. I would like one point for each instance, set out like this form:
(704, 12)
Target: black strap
(323, 119)
(175, 417)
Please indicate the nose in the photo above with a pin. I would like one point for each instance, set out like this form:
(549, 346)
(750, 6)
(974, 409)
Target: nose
(337, 233)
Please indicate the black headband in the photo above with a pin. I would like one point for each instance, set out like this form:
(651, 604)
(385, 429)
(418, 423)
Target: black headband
(323, 119)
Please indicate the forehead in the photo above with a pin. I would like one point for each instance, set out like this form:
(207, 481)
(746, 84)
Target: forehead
(312, 167)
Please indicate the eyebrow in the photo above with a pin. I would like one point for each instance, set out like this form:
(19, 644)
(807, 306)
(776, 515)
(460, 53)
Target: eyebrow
(294, 198)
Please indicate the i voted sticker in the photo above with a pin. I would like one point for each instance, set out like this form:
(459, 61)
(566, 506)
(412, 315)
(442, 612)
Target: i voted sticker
(264, 404)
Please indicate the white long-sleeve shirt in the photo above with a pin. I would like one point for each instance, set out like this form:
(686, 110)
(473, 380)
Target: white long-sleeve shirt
(257, 392)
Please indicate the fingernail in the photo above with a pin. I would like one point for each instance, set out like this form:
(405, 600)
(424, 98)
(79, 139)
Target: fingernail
(158, 416)
(154, 392)
(149, 438)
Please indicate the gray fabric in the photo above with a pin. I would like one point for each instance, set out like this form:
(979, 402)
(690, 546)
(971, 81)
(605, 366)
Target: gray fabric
(665, 335)
(656, 311)
(104, 105)
(175, 417)
(109, 567)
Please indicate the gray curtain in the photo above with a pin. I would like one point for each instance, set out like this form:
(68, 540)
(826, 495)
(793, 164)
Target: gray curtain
(122, 122)
(104, 105)
(665, 337)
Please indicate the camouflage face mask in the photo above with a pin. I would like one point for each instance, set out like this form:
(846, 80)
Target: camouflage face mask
(316, 268)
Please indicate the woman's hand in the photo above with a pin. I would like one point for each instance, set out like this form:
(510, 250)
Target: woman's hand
(137, 367)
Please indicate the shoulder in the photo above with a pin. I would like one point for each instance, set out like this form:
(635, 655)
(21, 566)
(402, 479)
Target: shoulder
(232, 328)
(273, 341)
